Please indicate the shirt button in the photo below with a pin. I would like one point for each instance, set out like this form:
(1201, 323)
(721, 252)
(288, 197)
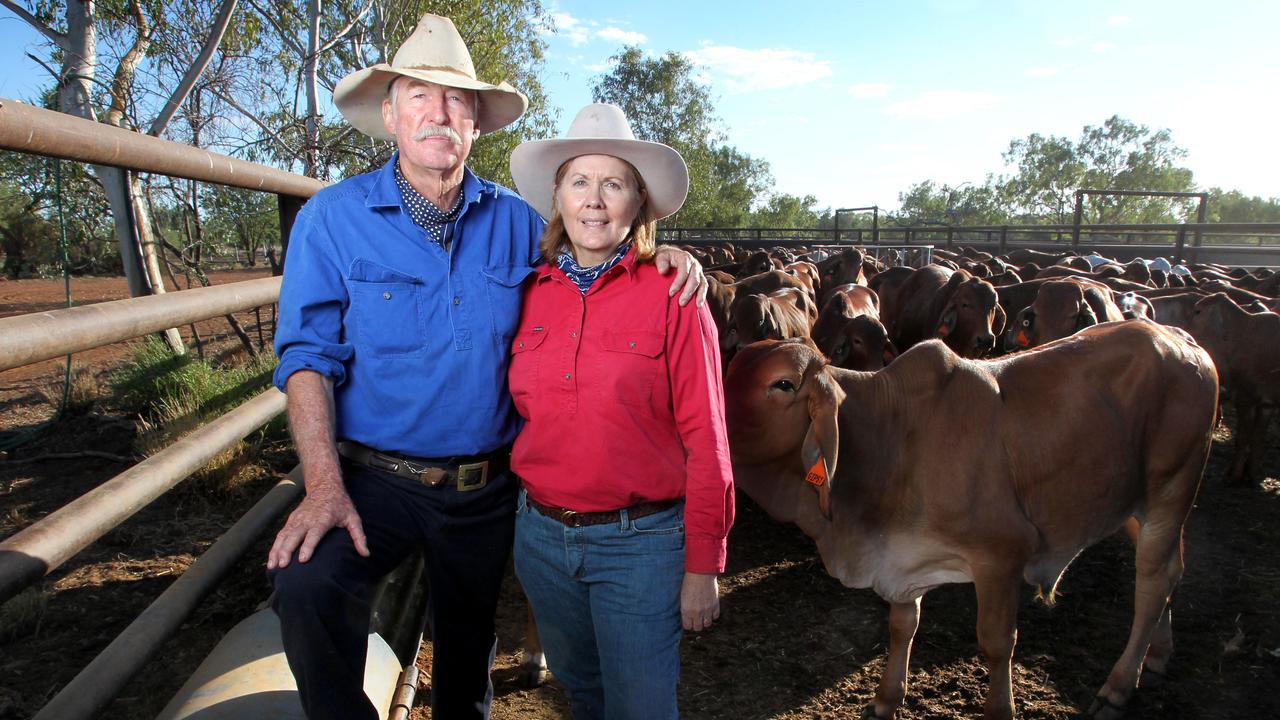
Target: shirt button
(386, 296)
(573, 333)
(631, 344)
(566, 376)
(520, 344)
(456, 301)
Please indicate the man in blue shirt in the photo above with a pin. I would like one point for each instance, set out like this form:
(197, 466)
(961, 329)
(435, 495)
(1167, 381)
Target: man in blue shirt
(401, 292)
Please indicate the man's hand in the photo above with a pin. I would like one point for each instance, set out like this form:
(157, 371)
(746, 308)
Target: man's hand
(699, 601)
(688, 273)
(323, 509)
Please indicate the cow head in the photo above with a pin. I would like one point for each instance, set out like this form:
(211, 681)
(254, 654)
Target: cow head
(971, 318)
(861, 343)
(779, 399)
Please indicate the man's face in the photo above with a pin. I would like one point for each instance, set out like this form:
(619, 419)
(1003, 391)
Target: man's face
(434, 125)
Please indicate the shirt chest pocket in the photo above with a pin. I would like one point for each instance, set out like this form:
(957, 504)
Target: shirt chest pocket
(522, 376)
(389, 310)
(631, 364)
(502, 287)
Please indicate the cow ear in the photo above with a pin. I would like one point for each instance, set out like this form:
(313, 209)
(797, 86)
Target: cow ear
(997, 327)
(947, 324)
(822, 440)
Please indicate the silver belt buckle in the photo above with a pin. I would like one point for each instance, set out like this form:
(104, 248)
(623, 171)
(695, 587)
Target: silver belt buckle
(473, 476)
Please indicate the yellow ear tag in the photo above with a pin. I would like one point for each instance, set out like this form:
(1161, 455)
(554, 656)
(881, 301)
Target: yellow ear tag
(817, 474)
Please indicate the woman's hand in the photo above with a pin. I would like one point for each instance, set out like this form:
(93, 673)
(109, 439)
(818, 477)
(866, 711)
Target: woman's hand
(688, 277)
(699, 601)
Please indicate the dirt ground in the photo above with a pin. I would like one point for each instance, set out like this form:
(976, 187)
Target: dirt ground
(792, 643)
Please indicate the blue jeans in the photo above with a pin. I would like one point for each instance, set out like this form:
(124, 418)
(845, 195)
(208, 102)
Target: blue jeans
(607, 602)
(324, 604)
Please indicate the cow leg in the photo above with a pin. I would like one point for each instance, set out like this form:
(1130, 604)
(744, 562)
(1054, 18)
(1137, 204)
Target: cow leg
(997, 635)
(1159, 567)
(1257, 441)
(1247, 412)
(904, 618)
(533, 664)
(1156, 662)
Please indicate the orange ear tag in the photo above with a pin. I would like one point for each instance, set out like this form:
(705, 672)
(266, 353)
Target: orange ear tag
(1022, 339)
(817, 474)
(943, 331)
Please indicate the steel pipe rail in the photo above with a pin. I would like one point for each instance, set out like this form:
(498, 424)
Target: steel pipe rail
(33, 552)
(29, 129)
(40, 336)
(101, 680)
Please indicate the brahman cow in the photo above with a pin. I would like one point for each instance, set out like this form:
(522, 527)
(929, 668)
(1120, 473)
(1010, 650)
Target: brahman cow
(849, 332)
(782, 314)
(1246, 348)
(1063, 306)
(936, 302)
(939, 469)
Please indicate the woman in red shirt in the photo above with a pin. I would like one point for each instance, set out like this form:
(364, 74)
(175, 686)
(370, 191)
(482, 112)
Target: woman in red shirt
(624, 460)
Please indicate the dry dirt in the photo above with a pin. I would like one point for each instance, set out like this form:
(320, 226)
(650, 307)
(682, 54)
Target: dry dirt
(792, 643)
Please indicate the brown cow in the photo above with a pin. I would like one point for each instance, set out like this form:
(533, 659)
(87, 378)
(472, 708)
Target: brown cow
(1246, 348)
(940, 470)
(849, 332)
(948, 304)
(782, 314)
(1064, 306)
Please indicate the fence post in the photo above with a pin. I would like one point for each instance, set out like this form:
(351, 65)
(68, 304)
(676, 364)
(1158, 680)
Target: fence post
(1075, 222)
(288, 205)
(1182, 242)
(1004, 239)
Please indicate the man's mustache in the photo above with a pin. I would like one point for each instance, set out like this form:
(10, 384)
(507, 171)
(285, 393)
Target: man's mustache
(428, 131)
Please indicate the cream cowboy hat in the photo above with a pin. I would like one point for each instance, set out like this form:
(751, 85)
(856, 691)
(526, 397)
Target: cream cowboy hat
(600, 129)
(434, 52)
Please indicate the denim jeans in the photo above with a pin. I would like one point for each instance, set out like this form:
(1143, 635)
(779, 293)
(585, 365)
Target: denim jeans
(324, 604)
(607, 602)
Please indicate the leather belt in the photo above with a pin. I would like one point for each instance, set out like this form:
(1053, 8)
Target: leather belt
(469, 472)
(572, 518)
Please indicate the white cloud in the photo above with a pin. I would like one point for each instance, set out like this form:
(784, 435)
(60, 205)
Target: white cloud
(864, 91)
(1118, 20)
(571, 28)
(763, 69)
(1102, 47)
(625, 37)
(942, 104)
(1040, 72)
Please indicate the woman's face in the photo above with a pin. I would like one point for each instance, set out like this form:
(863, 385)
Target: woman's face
(599, 198)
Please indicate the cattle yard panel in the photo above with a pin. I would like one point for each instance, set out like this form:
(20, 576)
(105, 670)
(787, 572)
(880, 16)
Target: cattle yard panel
(1244, 244)
(33, 552)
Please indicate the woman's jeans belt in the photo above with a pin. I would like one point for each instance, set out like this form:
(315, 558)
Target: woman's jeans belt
(467, 472)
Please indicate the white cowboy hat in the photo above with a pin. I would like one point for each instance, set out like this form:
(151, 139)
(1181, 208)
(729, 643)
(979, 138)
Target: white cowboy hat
(434, 52)
(600, 129)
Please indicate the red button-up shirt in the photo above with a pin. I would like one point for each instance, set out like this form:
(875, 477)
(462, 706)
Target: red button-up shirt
(623, 402)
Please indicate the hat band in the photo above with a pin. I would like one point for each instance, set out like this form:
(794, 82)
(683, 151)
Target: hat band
(438, 68)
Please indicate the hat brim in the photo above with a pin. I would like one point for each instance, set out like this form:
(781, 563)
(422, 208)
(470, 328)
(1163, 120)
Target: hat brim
(662, 169)
(359, 97)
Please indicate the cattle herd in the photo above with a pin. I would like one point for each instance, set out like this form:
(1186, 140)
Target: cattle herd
(984, 419)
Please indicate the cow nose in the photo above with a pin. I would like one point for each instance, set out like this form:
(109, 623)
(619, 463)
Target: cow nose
(985, 341)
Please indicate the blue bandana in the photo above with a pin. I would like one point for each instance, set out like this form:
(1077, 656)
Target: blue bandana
(583, 277)
(424, 213)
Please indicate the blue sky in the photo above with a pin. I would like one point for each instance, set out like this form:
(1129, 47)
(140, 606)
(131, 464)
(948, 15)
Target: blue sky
(855, 101)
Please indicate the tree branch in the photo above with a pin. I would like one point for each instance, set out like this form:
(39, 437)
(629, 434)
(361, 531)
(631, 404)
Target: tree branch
(285, 37)
(254, 119)
(58, 38)
(343, 32)
(196, 68)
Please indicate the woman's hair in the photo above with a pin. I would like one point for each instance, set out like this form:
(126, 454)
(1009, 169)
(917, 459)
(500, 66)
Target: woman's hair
(644, 229)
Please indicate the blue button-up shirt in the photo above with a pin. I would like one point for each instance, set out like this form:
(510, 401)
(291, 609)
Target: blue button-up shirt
(415, 338)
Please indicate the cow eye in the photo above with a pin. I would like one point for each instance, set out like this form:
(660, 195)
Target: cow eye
(784, 385)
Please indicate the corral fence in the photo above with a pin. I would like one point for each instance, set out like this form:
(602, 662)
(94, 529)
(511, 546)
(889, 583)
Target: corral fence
(1242, 244)
(32, 553)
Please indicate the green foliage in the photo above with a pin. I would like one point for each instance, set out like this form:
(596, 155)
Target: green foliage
(29, 192)
(183, 391)
(928, 203)
(1118, 155)
(665, 104)
(1233, 206)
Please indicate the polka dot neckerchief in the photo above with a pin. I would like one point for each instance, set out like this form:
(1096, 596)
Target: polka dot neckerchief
(424, 213)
